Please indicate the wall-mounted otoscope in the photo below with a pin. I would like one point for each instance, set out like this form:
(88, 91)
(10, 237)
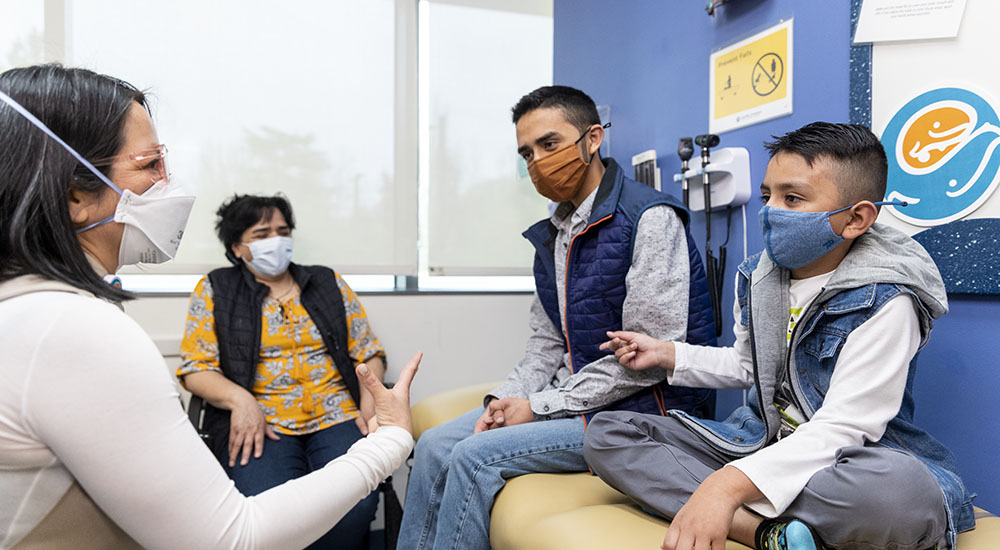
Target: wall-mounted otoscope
(685, 150)
(714, 267)
(706, 142)
(725, 181)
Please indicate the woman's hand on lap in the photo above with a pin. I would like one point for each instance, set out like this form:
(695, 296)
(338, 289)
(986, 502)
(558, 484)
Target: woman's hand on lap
(247, 430)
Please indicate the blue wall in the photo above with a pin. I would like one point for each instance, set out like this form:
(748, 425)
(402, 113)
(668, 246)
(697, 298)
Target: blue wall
(648, 60)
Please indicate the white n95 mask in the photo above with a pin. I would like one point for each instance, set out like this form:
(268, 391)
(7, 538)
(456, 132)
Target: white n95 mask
(154, 223)
(271, 256)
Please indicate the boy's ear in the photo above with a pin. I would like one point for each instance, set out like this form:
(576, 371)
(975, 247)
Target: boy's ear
(863, 215)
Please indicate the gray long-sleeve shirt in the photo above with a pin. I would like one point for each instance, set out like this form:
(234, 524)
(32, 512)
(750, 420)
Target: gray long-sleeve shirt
(656, 303)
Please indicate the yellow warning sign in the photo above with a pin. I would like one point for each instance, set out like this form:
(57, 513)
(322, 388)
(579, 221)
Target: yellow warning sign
(751, 80)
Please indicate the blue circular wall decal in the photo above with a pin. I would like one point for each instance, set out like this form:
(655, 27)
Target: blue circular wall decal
(942, 153)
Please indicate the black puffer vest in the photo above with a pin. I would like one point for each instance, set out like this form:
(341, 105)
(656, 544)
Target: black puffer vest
(239, 299)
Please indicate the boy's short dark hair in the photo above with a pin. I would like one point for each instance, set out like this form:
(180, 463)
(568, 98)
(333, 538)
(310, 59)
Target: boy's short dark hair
(242, 212)
(575, 105)
(853, 147)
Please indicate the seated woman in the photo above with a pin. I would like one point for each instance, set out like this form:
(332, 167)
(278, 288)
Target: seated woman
(272, 346)
(95, 449)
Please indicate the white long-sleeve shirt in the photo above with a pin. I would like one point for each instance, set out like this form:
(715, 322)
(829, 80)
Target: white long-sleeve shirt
(86, 396)
(865, 393)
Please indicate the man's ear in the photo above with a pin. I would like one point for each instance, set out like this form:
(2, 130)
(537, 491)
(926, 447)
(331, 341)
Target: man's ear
(83, 206)
(863, 215)
(595, 137)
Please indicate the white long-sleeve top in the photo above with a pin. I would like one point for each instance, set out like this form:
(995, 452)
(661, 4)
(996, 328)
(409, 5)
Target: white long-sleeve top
(865, 393)
(86, 396)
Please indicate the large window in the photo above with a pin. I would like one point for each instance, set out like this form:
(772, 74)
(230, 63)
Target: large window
(477, 58)
(318, 99)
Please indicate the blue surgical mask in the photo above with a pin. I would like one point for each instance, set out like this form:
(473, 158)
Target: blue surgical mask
(794, 238)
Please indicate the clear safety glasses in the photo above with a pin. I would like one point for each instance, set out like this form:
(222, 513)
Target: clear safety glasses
(152, 162)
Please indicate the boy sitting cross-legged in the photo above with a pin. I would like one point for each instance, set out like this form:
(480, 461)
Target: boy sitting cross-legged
(828, 325)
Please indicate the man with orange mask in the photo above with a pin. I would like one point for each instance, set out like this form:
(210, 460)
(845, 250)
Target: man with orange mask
(614, 254)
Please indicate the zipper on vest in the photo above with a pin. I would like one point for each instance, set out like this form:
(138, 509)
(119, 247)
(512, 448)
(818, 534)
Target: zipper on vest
(569, 252)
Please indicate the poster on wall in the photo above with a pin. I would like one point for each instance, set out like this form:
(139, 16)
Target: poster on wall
(936, 108)
(941, 146)
(750, 81)
(888, 20)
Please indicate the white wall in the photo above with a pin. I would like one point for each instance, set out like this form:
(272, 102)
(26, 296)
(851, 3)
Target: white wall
(466, 338)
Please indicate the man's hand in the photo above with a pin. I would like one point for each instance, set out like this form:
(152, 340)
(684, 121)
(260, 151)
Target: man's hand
(247, 430)
(508, 411)
(392, 407)
(639, 352)
(486, 420)
(705, 521)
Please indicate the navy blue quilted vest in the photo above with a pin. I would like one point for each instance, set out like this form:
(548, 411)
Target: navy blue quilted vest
(599, 259)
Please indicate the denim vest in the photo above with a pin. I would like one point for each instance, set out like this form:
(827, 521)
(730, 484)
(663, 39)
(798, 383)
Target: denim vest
(598, 262)
(762, 294)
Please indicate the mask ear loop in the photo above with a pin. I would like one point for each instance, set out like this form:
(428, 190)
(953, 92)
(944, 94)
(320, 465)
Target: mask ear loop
(879, 203)
(95, 224)
(577, 142)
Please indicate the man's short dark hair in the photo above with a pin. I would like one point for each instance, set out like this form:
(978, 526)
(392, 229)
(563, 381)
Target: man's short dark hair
(575, 105)
(242, 212)
(855, 150)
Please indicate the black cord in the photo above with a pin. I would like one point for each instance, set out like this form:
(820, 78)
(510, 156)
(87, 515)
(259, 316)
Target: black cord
(729, 224)
(715, 271)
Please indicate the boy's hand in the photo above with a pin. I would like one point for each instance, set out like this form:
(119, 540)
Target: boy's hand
(508, 411)
(639, 352)
(707, 518)
(702, 523)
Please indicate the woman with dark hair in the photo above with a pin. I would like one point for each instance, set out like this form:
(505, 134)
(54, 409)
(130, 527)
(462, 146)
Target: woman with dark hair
(271, 346)
(95, 449)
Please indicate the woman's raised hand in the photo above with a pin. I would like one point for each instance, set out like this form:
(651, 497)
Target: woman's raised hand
(392, 407)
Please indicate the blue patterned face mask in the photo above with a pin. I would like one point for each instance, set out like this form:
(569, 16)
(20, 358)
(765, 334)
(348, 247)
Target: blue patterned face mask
(794, 238)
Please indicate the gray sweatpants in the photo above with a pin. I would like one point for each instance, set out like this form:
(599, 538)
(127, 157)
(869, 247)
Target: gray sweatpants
(871, 498)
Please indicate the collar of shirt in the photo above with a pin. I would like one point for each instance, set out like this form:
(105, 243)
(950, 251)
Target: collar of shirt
(566, 217)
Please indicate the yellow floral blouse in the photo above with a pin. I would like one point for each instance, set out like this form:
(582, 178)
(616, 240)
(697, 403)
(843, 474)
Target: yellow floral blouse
(297, 383)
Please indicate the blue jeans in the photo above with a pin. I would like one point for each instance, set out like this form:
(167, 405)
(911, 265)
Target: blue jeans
(457, 474)
(294, 456)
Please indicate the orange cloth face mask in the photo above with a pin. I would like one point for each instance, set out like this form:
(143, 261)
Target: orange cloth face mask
(559, 176)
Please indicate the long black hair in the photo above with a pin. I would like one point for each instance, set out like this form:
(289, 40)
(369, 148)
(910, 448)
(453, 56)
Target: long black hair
(88, 111)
